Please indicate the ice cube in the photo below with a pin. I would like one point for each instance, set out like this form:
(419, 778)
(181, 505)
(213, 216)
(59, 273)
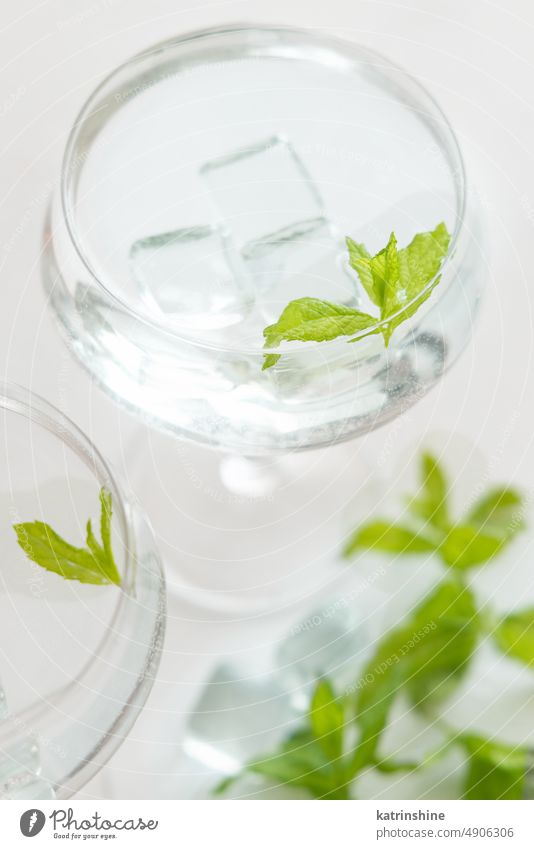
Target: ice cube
(274, 212)
(20, 761)
(192, 278)
(261, 189)
(235, 718)
(330, 642)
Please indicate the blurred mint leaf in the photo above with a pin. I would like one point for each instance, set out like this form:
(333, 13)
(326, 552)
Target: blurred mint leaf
(466, 546)
(313, 320)
(514, 635)
(424, 656)
(375, 696)
(300, 762)
(327, 720)
(94, 564)
(431, 502)
(490, 525)
(382, 535)
(499, 510)
(495, 770)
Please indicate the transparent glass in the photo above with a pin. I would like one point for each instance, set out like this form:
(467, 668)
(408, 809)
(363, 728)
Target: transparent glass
(78, 660)
(268, 146)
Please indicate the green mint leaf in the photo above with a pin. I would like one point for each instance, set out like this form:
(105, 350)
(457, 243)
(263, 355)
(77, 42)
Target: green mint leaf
(416, 266)
(106, 513)
(92, 565)
(270, 360)
(514, 636)
(500, 509)
(359, 259)
(466, 546)
(313, 320)
(431, 502)
(442, 656)
(376, 693)
(326, 717)
(495, 770)
(382, 535)
(394, 278)
(425, 656)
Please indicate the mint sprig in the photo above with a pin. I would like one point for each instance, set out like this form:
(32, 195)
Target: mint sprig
(463, 543)
(395, 280)
(422, 659)
(94, 564)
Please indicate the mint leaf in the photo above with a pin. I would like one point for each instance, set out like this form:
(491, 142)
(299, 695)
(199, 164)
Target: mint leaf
(360, 260)
(92, 565)
(495, 770)
(500, 509)
(373, 704)
(418, 265)
(466, 546)
(326, 719)
(431, 503)
(313, 320)
(382, 535)
(488, 527)
(426, 655)
(515, 636)
(394, 278)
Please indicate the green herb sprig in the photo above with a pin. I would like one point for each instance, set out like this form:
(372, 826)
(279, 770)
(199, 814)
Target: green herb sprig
(424, 658)
(395, 280)
(94, 564)
(473, 539)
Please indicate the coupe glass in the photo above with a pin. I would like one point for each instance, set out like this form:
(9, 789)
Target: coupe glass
(213, 178)
(77, 660)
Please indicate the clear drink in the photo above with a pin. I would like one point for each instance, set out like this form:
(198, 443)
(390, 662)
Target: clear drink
(209, 182)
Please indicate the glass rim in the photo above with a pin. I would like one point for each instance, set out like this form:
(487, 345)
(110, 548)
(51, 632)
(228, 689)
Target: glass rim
(447, 138)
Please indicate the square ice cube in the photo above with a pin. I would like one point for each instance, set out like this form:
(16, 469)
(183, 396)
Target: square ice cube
(262, 189)
(236, 718)
(331, 642)
(268, 202)
(192, 277)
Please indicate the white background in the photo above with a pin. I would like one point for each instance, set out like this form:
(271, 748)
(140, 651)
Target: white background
(476, 57)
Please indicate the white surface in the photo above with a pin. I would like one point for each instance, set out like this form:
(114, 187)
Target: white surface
(476, 57)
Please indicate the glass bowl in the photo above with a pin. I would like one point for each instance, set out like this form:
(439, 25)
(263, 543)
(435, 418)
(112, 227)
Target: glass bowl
(78, 660)
(211, 179)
